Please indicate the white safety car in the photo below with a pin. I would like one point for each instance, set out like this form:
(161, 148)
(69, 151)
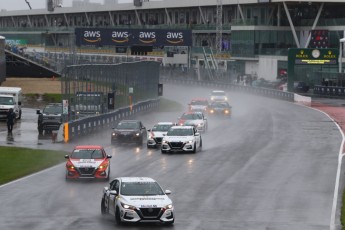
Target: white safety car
(137, 199)
(218, 95)
(181, 138)
(155, 135)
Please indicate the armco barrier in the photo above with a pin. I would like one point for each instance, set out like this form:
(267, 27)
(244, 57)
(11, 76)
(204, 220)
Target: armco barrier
(97, 123)
(278, 94)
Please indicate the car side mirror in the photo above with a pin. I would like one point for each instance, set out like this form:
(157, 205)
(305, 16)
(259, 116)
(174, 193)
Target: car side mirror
(109, 156)
(197, 134)
(19, 103)
(168, 192)
(38, 111)
(113, 192)
(66, 156)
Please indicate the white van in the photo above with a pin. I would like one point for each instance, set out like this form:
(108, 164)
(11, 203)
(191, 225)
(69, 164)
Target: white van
(11, 97)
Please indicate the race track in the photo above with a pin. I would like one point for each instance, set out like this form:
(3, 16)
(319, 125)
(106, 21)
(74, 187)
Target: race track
(271, 166)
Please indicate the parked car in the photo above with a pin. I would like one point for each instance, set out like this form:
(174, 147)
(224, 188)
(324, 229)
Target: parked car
(300, 87)
(50, 118)
(129, 131)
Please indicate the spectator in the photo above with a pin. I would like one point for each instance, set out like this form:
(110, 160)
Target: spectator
(10, 120)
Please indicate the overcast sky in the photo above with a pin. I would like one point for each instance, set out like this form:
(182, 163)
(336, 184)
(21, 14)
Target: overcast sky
(37, 4)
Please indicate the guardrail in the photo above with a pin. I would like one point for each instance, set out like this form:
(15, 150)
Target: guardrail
(272, 93)
(88, 125)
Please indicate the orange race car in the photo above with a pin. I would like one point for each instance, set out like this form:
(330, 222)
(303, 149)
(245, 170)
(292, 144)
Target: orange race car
(88, 161)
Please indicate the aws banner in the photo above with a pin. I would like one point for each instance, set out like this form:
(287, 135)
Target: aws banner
(128, 37)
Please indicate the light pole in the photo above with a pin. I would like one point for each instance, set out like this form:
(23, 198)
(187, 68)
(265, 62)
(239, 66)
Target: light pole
(341, 41)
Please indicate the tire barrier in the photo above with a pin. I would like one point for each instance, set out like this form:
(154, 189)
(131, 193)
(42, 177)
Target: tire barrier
(329, 91)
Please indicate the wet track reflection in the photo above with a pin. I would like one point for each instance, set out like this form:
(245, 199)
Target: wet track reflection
(257, 170)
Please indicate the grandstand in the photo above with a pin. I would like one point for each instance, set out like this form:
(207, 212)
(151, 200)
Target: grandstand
(256, 34)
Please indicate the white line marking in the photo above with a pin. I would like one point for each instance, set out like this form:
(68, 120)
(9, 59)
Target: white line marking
(332, 225)
(31, 175)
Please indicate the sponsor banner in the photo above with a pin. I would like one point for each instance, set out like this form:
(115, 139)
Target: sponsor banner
(128, 37)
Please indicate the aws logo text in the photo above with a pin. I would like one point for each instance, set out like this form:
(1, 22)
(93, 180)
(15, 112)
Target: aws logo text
(120, 36)
(92, 36)
(174, 37)
(147, 37)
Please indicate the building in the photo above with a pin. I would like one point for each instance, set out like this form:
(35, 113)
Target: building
(255, 34)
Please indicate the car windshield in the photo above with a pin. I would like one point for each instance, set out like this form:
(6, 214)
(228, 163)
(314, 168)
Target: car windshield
(191, 116)
(141, 189)
(161, 128)
(128, 125)
(199, 103)
(180, 132)
(52, 109)
(218, 94)
(87, 154)
(220, 105)
(6, 101)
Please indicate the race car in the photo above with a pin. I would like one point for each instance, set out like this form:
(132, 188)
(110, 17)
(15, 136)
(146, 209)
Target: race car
(155, 135)
(137, 199)
(128, 131)
(88, 161)
(218, 95)
(220, 108)
(181, 139)
(198, 104)
(196, 119)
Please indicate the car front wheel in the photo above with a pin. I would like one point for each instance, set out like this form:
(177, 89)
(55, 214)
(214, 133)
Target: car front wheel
(103, 208)
(117, 217)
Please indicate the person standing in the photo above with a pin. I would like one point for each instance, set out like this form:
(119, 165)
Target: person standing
(10, 120)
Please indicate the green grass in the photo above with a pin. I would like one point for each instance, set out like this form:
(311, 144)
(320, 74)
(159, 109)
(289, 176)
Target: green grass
(52, 98)
(46, 98)
(166, 105)
(18, 162)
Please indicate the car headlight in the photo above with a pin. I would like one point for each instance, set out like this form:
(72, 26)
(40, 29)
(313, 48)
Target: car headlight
(201, 124)
(113, 134)
(164, 142)
(226, 98)
(226, 111)
(127, 206)
(212, 98)
(137, 134)
(169, 206)
(189, 142)
(211, 111)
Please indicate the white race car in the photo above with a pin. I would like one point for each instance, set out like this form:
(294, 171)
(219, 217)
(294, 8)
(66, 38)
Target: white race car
(181, 138)
(137, 199)
(155, 135)
(196, 119)
(218, 95)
